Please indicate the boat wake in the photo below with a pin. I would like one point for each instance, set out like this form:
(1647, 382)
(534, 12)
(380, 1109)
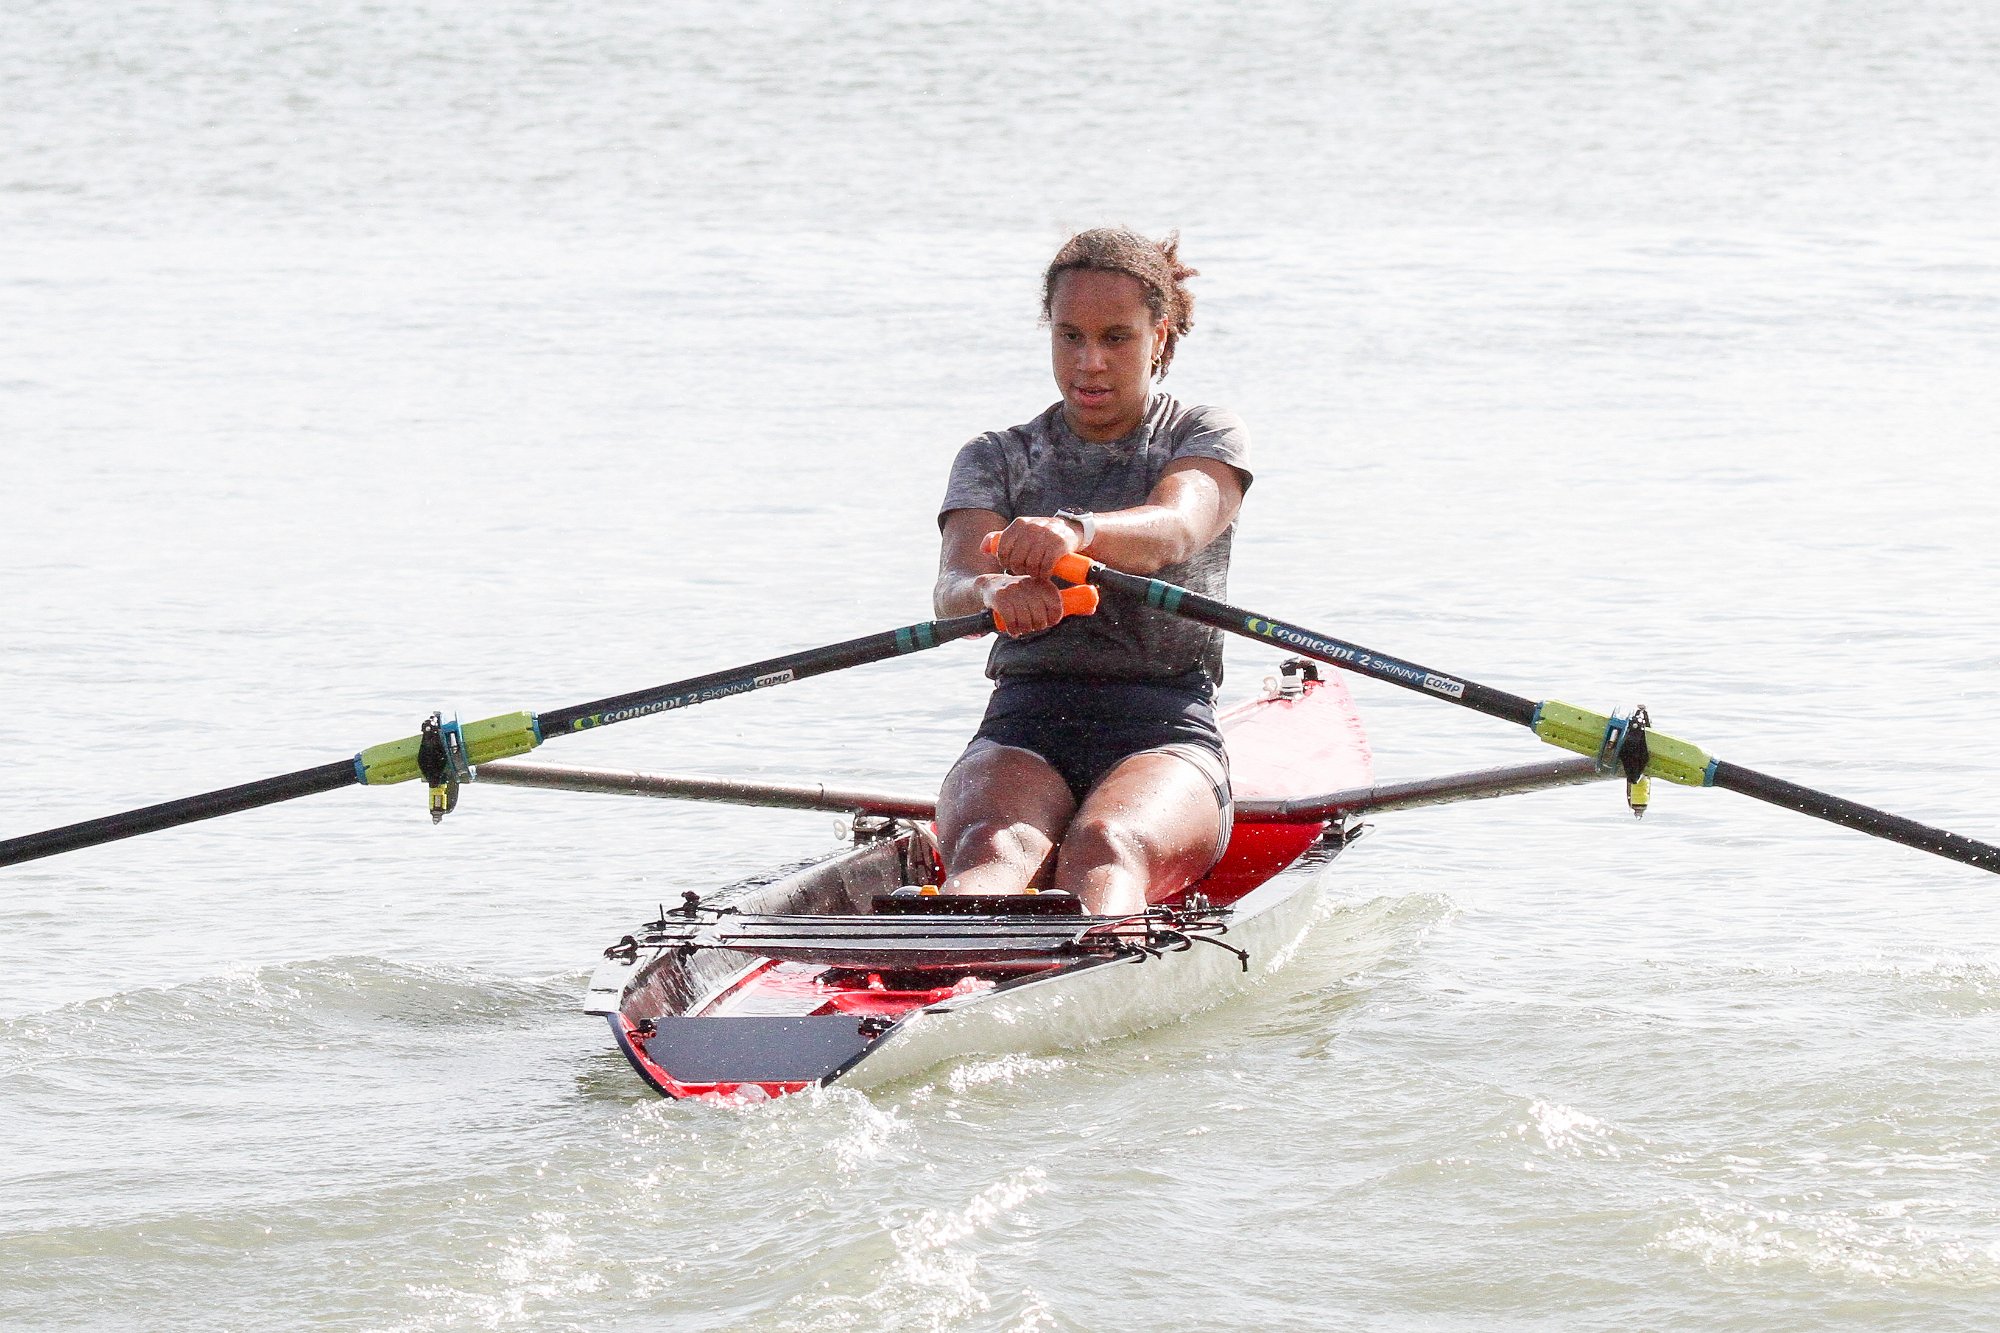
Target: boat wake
(1334, 966)
(287, 1005)
(1935, 982)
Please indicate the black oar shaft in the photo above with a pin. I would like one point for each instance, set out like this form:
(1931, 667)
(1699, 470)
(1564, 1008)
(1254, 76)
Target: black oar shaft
(772, 671)
(1854, 815)
(1559, 724)
(510, 735)
(1309, 643)
(187, 810)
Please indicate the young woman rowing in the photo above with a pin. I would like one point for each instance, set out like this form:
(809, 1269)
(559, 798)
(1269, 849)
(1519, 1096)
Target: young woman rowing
(1098, 769)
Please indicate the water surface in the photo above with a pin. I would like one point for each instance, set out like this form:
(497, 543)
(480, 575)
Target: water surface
(483, 357)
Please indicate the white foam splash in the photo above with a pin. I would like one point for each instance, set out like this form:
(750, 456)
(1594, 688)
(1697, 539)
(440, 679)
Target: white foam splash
(872, 1136)
(531, 1273)
(1564, 1129)
(936, 1268)
(1004, 1069)
(1879, 1244)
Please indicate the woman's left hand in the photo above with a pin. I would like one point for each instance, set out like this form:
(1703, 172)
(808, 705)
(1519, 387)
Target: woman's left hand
(1032, 546)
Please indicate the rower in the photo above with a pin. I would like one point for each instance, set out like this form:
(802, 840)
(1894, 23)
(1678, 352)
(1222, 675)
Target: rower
(1098, 769)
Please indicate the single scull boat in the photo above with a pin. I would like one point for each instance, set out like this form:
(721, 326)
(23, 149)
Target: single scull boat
(825, 974)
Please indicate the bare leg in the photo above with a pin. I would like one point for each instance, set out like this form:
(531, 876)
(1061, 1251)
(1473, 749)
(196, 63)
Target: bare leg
(1147, 830)
(1000, 815)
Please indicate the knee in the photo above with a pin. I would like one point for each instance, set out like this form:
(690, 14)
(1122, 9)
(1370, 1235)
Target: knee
(1103, 840)
(982, 840)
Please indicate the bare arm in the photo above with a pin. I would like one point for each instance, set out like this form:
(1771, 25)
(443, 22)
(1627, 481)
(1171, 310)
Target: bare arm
(969, 580)
(966, 573)
(1194, 500)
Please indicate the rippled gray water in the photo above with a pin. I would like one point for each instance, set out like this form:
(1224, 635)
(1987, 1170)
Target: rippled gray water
(358, 363)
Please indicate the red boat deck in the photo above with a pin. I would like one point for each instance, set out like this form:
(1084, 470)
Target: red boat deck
(1279, 748)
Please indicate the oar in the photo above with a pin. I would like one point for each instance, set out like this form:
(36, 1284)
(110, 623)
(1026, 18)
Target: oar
(1624, 742)
(1479, 784)
(444, 753)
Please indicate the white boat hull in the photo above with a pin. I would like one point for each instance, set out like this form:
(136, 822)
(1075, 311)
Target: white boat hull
(1104, 999)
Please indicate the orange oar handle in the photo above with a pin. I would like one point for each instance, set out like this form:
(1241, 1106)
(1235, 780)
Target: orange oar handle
(1077, 601)
(1074, 568)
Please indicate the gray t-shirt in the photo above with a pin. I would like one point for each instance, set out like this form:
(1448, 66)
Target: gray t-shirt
(1043, 466)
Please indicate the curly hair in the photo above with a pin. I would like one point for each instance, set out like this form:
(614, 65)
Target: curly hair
(1155, 265)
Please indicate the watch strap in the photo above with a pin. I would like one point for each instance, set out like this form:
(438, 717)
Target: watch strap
(1086, 523)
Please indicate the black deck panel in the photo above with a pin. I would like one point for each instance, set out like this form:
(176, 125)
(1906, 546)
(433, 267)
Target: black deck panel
(756, 1050)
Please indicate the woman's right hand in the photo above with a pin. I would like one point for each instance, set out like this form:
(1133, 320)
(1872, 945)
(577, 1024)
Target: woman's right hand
(1023, 605)
(1033, 545)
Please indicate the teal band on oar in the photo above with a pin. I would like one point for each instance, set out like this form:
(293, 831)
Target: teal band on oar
(514, 734)
(1564, 725)
(915, 638)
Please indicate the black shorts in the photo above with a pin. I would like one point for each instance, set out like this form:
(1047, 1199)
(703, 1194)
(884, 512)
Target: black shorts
(1084, 727)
